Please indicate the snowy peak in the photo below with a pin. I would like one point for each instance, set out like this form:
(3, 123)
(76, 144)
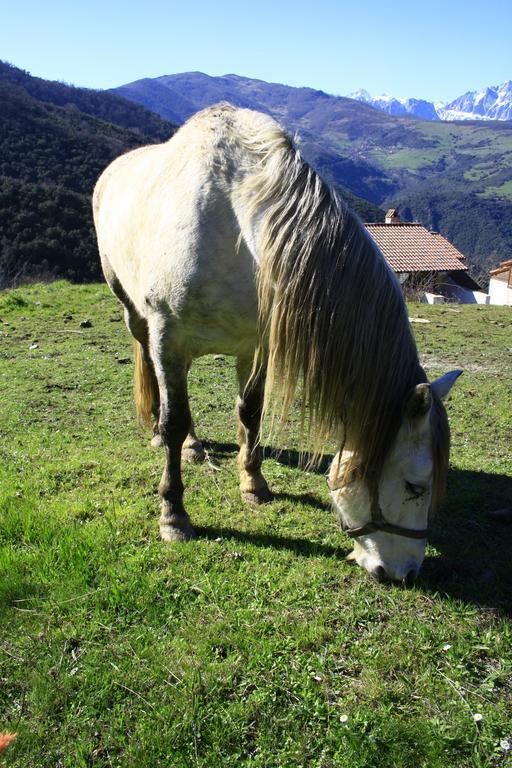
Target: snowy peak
(386, 103)
(493, 103)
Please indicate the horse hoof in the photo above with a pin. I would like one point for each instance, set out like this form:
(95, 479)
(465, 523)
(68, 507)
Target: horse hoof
(156, 441)
(263, 496)
(174, 533)
(193, 454)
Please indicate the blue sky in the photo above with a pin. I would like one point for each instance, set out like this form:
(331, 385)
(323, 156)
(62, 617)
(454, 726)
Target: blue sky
(432, 50)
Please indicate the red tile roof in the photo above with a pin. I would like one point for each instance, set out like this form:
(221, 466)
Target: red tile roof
(412, 248)
(503, 272)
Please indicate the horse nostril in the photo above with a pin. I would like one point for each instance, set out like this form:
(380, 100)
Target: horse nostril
(379, 574)
(411, 577)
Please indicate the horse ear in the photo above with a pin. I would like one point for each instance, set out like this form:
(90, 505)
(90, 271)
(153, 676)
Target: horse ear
(443, 385)
(419, 402)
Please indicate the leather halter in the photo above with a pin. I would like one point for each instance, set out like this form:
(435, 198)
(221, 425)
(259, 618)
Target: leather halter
(378, 523)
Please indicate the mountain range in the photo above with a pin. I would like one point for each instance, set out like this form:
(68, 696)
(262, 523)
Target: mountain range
(493, 103)
(455, 178)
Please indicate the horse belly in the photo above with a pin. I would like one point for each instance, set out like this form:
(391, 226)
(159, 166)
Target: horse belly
(218, 311)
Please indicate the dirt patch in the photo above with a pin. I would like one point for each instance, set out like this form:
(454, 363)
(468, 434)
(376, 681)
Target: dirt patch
(434, 363)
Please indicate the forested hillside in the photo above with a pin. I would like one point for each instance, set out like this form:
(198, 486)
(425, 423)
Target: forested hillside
(54, 142)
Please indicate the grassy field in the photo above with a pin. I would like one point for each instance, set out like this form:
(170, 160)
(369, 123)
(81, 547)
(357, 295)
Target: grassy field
(257, 644)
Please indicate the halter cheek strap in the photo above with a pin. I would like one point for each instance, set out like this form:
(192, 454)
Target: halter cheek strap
(377, 523)
(373, 526)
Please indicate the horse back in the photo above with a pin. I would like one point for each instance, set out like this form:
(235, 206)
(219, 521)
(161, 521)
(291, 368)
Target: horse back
(168, 234)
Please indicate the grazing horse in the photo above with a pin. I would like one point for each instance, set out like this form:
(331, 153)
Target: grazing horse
(224, 240)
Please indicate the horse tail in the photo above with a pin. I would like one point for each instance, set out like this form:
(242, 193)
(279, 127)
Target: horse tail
(142, 386)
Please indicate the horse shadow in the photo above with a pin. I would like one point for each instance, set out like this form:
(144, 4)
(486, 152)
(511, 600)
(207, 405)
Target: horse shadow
(473, 563)
(301, 547)
(287, 457)
(472, 552)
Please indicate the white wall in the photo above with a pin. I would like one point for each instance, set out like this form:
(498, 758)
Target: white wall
(432, 298)
(500, 293)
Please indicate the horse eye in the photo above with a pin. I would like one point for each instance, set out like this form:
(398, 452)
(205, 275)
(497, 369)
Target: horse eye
(415, 490)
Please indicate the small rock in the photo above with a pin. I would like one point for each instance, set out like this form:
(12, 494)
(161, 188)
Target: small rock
(123, 360)
(34, 346)
(85, 324)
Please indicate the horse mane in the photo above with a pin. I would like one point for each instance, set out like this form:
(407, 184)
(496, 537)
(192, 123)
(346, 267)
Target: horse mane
(332, 319)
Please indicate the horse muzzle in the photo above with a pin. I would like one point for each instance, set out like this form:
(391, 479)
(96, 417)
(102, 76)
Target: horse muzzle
(380, 574)
(385, 572)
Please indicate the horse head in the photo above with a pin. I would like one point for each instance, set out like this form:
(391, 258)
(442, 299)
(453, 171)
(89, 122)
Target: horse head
(387, 515)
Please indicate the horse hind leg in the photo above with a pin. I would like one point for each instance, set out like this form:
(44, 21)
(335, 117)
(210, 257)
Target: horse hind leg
(146, 391)
(146, 386)
(253, 486)
(192, 450)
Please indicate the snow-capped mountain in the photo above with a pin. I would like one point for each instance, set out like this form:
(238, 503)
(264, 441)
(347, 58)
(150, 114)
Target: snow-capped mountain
(493, 103)
(398, 106)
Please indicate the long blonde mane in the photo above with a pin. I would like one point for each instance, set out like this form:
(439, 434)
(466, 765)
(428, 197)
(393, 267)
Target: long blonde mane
(332, 319)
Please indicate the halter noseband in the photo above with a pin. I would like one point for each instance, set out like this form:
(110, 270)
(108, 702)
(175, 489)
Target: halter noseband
(377, 523)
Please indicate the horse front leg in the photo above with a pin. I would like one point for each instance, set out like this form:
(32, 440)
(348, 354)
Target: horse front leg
(253, 485)
(192, 449)
(173, 426)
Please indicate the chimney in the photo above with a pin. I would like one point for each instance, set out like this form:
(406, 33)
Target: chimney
(392, 216)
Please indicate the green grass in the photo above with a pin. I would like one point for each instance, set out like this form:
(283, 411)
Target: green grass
(252, 645)
(409, 161)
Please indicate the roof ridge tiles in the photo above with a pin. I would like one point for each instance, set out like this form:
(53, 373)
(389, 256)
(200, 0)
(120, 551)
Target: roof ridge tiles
(410, 247)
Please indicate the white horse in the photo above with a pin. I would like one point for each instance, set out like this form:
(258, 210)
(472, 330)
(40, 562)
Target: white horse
(224, 240)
